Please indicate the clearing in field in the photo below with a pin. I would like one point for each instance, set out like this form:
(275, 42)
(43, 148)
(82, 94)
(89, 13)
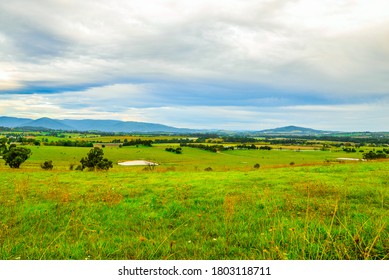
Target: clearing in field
(350, 159)
(136, 162)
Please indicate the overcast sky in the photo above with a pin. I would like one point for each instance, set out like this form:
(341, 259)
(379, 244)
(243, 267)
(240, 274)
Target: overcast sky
(227, 64)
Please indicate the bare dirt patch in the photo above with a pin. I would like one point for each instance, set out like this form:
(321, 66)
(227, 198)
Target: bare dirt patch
(136, 162)
(349, 159)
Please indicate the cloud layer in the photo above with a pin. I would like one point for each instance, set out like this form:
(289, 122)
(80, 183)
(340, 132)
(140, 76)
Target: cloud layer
(225, 64)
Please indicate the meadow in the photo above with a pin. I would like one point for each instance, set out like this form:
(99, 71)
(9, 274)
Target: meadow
(190, 160)
(315, 208)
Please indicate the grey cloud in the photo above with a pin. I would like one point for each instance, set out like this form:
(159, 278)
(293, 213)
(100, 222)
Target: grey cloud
(194, 53)
(29, 33)
(251, 44)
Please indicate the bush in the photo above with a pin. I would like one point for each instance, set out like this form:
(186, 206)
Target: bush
(372, 155)
(265, 148)
(256, 166)
(95, 160)
(15, 156)
(208, 169)
(47, 165)
(349, 150)
(174, 150)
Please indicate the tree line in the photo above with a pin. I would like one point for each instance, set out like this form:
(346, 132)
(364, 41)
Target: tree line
(136, 142)
(69, 143)
(211, 148)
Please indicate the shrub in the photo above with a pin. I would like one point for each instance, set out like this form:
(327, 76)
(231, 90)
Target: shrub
(47, 165)
(265, 148)
(174, 150)
(373, 155)
(208, 169)
(95, 160)
(15, 156)
(256, 166)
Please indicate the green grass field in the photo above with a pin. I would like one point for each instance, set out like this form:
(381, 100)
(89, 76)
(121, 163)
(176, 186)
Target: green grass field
(192, 159)
(311, 210)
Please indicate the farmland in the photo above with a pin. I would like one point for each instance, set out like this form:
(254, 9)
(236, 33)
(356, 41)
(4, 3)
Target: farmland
(190, 160)
(299, 203)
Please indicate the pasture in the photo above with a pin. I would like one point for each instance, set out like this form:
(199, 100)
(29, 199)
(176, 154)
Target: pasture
(191, 159)
(314, 209)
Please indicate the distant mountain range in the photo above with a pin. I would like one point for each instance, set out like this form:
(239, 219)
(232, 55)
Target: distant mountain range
(130, 127)
(90, 125)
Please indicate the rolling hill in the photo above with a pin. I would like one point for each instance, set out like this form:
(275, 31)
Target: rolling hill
(293, 130)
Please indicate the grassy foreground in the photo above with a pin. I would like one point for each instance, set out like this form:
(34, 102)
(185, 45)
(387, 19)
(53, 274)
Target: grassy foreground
(336, 211)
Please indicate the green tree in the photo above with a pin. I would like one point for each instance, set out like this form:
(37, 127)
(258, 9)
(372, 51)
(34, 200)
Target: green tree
(15, 156)
(95, 160)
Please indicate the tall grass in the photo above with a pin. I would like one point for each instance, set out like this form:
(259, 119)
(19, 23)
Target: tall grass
(320, 212)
